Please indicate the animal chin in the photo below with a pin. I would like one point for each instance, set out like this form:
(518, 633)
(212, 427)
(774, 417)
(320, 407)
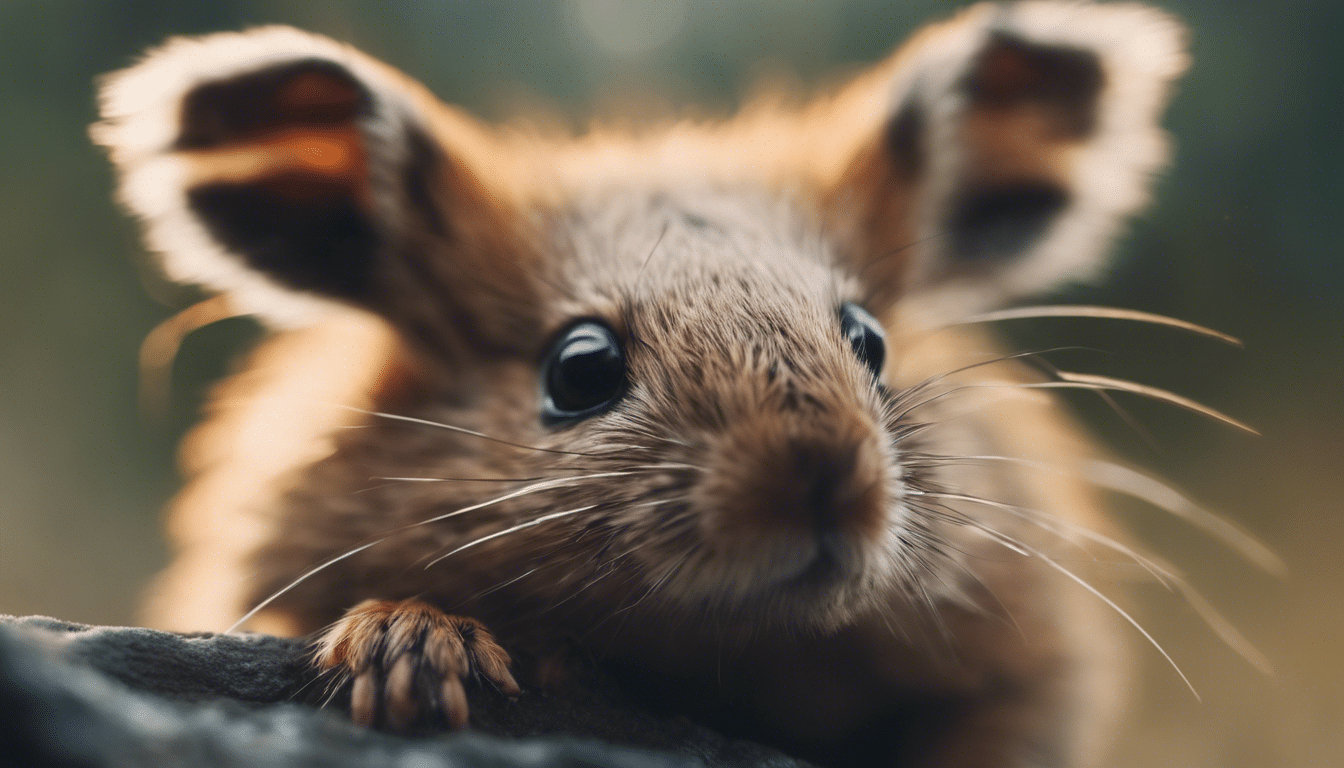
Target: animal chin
(794, 572)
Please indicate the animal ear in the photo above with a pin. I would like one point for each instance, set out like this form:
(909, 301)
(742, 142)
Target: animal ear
(294, 173)
(1016, 140)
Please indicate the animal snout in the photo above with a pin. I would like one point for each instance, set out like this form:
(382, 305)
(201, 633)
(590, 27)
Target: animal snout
(817, 484)
(796, 498)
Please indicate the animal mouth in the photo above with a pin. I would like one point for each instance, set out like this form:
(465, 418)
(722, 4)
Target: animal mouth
(833, 560)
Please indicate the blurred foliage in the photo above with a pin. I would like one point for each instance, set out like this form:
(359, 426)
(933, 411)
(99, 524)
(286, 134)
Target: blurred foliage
(1244, 238)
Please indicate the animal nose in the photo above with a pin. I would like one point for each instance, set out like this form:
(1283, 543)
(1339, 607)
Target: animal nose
(820, 486)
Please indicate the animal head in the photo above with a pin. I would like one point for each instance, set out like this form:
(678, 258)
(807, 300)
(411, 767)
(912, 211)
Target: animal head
(699, 313)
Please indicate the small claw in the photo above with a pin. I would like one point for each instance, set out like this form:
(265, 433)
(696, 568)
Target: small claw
(364, 698)
(507, 685)
(492, 662)
(454, 702)
(401, 709)
(397, 652)
(498, 673)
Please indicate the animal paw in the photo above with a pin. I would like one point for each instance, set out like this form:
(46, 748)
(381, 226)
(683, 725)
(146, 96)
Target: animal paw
(406, 662)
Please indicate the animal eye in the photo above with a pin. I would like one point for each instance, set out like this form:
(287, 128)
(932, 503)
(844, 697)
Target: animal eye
(865, 336)
(584, 373)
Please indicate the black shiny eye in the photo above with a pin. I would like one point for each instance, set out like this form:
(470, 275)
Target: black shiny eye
(584, 373)
(865, 336)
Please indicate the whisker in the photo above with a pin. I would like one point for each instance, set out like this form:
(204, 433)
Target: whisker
(1123, 614)
(932, 380)
(1003, 539)
(498, 587)
(1091, 382)
(657, 584)
(899, 250)
(1118, 610)
(1064, 530)
(1135, 484)
(1165, 573)
(461, 479)
(453, 428)
(308, 574)
(1054, 372)
(160, 346)
(560, 482)
(903, 407)
(1105, 313)
(541, 486)
(528, 524)
(1131, 482)
(574, 593)
(1224, 629)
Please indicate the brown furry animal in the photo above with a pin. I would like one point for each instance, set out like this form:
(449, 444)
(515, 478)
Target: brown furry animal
(704, 406)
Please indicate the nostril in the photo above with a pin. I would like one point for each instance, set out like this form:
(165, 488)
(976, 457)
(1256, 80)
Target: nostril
(821, 495)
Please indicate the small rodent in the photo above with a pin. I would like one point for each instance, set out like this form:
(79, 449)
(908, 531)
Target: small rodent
(713, 405)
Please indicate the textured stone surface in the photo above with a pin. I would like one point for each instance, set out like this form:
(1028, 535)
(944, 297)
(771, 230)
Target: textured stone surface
(86, 697)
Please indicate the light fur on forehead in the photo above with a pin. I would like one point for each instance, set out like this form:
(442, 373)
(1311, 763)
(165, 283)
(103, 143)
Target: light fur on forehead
(141, 110)
(628, 246)
(1140, 51)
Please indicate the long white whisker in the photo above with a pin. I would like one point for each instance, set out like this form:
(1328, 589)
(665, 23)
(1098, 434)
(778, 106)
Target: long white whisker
(1063, 529)
(1105, 313)
(1119, 611)
(1054, 371)
(460, 479)
(1168, 575)
(1224, 628)
(453, 428)
(1092, 381)
(935, 379)
(658, 583)
(542, 486)
(559, 482)
(497, 587)
(1131, 482)
(512, 529)
(1026, 549)
(259, 606)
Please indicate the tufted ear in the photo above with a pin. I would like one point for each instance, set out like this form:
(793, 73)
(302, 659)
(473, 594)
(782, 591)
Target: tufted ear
(293, 174)
(1017, 139)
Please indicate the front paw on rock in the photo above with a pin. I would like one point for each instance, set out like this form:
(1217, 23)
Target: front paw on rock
(405, 663)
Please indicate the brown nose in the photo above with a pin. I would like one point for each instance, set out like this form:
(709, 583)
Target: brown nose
(821, 489)
(812, 483)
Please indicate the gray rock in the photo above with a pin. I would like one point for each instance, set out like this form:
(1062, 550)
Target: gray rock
(75, 696)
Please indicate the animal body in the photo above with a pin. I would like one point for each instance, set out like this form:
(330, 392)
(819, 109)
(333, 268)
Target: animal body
(708, 406)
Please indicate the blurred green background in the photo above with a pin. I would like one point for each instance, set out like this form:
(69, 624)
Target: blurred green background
(1244, 238)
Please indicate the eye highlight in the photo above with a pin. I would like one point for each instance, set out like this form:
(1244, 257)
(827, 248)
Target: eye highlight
(865, 336)
(583, 374)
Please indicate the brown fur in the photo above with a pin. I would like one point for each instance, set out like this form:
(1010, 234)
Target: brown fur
(675, 540)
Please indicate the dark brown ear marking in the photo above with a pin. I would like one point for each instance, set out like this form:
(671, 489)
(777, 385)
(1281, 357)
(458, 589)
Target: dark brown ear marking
(309, 92)
(1002, 221)
(905, 140)
(303, 215)
(424, 162)
(1040, 96)
(1011, 73)
(318, 240)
